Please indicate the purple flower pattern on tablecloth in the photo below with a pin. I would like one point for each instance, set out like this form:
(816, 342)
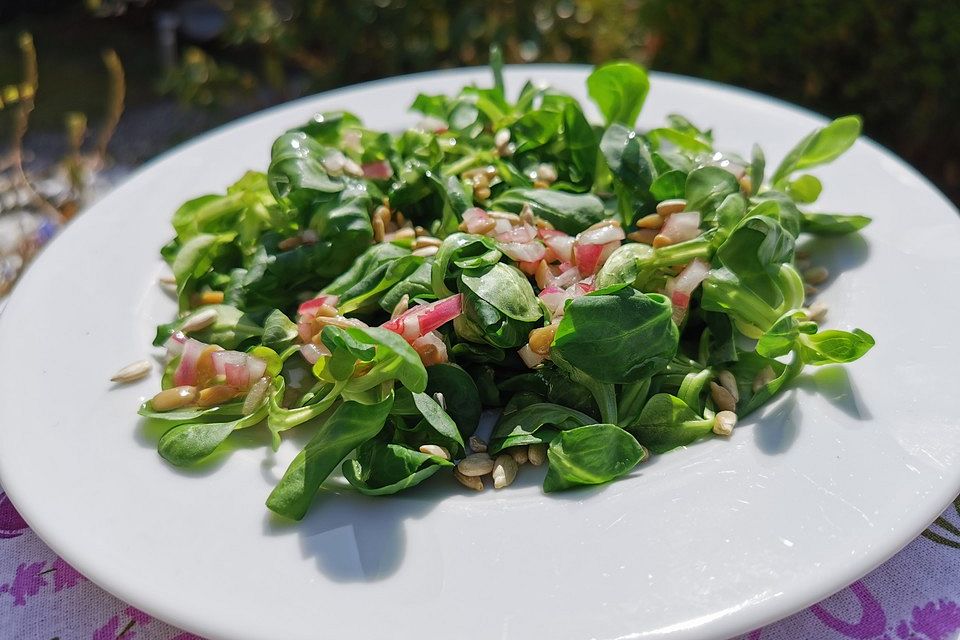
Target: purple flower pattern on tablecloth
(34, 582)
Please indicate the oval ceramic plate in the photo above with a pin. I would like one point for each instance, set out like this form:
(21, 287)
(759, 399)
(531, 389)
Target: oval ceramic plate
(704, 542)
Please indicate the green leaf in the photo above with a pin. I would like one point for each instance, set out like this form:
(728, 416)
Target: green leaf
(440, 421)
(590, 455)
(568, 212)
(382, 469)
(629, 160)
(820, 147)
(617, 336)
(534, 129)
(834, 346)
(507, 289)
(619, 89)
(347, 428)
(499, 307)
(805, 188)
(461, 251)
(582, 144)
(832, 224)
(669, 185)
(279, 332)
(190, 443)
(460, 395)
(758, 165)
(231, 328)
(707, 187)
(667, 422)
(781, 338)
(522, 426)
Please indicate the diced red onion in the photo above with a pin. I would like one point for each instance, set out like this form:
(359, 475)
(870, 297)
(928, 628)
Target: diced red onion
(523, 252)
(305, 328)
(256, 367)
(560, 243)
(682, 226)
(683, 286)
(424, 318)
(567, 277)
(588, 257)
(310, 306)
(435, 339)
(523, 233)
(601, 235)
(312, 352)
(554, 298)
(186, 373)
(221, 359)
(174, 344)
(501, 226)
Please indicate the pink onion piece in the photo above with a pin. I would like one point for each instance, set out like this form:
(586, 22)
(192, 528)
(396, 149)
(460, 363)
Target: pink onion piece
(312, 353)
(424, 318)
(237, 375)
(186, 373)
(560, 243)
(683, 286)
(380, 170)
(682, 226)
(523, 252)
(601, 235)
(588, 257)
(435, 339)
(310, 306)
(524, 233)
(256, 367)
(476, 220)
(567, 277)
(174, 344)
(223, 359)
(554, 298)
(305, 329)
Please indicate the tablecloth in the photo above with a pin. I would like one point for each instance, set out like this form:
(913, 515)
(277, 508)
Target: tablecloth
(914, 596)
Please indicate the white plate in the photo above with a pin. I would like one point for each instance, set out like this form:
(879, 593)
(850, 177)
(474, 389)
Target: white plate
(705, 542)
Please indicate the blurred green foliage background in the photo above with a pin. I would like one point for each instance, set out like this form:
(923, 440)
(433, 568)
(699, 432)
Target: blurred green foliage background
(895, 63)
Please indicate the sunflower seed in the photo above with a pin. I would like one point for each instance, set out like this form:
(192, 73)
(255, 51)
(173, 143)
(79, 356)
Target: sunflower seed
(816, 275)
(504, 471)
(652, 221)
(435, 450)
(817, 312)
(132, 372)
(537, 454)
(521, 455)
(199, 320)
(477, 445)
(668, 207)
(724, 422)
(174, 398)
(722, 398)
(476, 464)
(729, 383)
(425, 252)
(471, 482)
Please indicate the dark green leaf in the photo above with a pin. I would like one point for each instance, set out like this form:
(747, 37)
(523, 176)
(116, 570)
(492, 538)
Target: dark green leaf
(592, 454)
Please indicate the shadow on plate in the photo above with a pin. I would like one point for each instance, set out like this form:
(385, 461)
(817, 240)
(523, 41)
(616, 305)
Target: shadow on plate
(777, 428)
(837, 254)
(833, 383)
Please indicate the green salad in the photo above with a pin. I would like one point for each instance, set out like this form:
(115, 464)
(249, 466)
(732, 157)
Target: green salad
(611, 293)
